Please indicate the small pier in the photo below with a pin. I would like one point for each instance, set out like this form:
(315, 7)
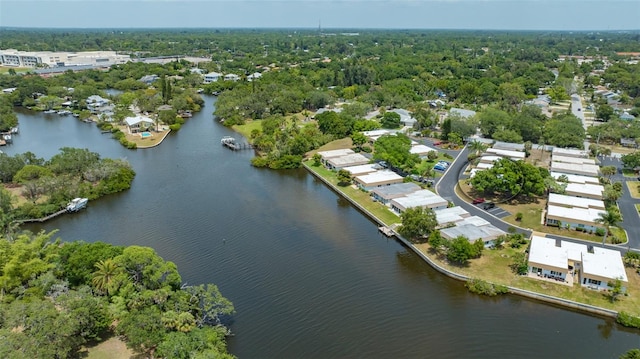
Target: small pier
(43, 219)
(387, 231)
(232, 144)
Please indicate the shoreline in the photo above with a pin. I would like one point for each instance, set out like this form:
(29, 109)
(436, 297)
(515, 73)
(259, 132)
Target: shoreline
(565, 303)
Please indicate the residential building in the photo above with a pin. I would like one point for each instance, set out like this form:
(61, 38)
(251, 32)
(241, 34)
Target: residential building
(340, 162)
(421, 150)
(138, 123)
(576, 178)
(451, 215)
(575, 168)
(212, 77)
(514, 155)
(421, 198)
(576, 160)
(568, 262)
(231, 77)
(561, 200)
(508, 146)
(377, 179)
(385, 194)
(462, 112)
(473, 228)
(569, 152)
(574, 217)
(586, 190)
(361, 169)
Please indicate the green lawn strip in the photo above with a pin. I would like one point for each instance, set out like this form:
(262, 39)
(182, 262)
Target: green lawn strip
(638, 208)
(249, 126)
(628, 173)
(619, 233)
(494, 266)
(363, 198)
(634, 188)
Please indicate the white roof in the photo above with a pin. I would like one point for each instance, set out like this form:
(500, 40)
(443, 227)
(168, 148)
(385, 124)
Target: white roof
(351, 159)
(335, 153)
(517, 155)
(575, 168)
(421, 149)
(130, 121)
(576, 178)
(508, 146)
(451, 214)
(586, 189)
(377, 133)
(422, 198)
(377, 177)
(566, 159)
(571, 201)
(604, 262)
(544, 251)
(213, 74)
(569, 152)
(473, 228)
(484, 166)
(462, 112)
(588, 215)
(361, 169)
(489, 159)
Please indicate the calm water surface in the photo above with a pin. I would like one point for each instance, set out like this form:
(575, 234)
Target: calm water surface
(309, 275)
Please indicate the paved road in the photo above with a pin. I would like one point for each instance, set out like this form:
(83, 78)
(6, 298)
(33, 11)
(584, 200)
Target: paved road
(626, 203)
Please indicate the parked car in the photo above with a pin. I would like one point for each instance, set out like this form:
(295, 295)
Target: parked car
(488, 205)
(440, 167)
(437, 143)
(478, 200)
(444, 163)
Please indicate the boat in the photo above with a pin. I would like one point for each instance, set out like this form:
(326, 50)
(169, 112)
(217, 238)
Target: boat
(77, 204)
(64, 112)
(14, 130)
(50, 111)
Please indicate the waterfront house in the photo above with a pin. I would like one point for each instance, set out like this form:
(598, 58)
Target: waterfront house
(362, 169)
(451, 215)
(340, 162)
(568, 262)
(421, 198)
(138, 123)
(231, 77)
(473, 228)
(212, 77)
(377, 179)
(387, 193)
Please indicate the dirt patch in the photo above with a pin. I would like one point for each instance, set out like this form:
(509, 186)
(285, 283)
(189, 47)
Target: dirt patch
(334, 145)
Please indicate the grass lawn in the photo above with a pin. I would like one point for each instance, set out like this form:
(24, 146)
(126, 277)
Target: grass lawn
(494, 266)
(363, 198)
(333, 145)
(638, 208)
(112, 348)
(248, 126)
(4, 70)
(634, 188)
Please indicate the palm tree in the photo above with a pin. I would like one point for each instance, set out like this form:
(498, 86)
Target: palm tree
(477, 146)
(609, 218)
(104, 278)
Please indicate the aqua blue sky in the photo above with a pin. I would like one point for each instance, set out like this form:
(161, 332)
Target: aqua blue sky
(394, 14)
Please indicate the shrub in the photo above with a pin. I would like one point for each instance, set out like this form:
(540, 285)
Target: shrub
(175, 127)
(519, 216)
(628, 320)
(480, 286)
(600, 232)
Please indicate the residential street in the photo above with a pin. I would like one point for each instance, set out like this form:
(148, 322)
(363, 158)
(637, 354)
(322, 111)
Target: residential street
(626, 203)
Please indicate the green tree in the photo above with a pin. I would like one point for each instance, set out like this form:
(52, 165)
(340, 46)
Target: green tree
(630, 160)
(394, 149)
(460, 250)
(417, 223)
(604, 112)
(344, 177)
(390, 120)
(564, 130)
(608, 171)
(358, 139)
(616, 289)
(611, 217)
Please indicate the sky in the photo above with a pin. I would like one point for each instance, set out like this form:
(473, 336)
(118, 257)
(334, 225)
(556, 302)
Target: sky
(564, 15)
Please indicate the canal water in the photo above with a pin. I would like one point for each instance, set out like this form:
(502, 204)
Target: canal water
(309, 275)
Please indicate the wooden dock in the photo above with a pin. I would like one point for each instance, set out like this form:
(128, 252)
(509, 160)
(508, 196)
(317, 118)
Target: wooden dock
(43, 219)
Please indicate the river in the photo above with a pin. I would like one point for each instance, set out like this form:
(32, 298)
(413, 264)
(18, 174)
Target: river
(309, 275)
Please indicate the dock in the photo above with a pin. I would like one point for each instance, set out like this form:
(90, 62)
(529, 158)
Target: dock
(387, 231)
(43, 219)
(232, 144)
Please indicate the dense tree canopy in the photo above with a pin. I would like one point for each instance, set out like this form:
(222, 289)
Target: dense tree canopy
(511, 178)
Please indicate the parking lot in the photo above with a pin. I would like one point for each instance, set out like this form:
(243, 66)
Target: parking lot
(495, 211)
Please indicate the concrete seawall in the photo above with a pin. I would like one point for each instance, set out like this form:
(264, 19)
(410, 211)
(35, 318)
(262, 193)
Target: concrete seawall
(525, 293)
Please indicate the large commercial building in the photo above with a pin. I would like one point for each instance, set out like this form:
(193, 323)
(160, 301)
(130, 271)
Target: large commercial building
(15, 58)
